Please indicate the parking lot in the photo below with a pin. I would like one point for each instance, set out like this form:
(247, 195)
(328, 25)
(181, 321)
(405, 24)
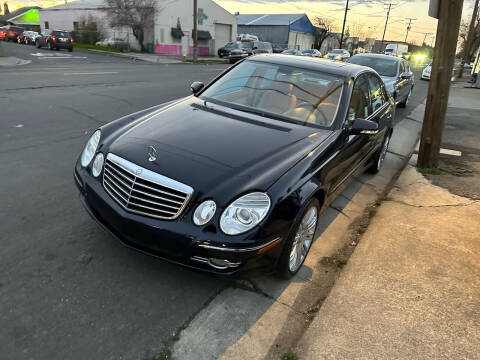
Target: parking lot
(69, 290)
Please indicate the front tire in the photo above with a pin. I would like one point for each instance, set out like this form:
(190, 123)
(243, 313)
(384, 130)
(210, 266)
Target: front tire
(298, 244)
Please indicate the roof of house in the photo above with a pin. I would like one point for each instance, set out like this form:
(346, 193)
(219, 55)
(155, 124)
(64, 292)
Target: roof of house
(79, 4)
(268, 19)
(296, 22)
(18, 13)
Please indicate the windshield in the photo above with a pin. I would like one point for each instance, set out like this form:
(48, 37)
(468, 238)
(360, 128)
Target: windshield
(61, 34)
(384, 67)
(291, 52)
(230, 45)
(307, 51)
(337, 51)
(242, 45)
(282, 92)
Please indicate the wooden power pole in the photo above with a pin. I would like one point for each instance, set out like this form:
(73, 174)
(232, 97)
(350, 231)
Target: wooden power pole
(468, 40)
(343, 27)
(195, 28)
(449, 16)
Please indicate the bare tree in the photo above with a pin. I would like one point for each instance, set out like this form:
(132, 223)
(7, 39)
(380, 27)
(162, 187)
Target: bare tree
(475, 38)
(323, 31)
(136, 14)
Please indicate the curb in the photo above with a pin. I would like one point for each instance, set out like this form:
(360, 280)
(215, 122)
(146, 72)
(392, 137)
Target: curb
(133, 57)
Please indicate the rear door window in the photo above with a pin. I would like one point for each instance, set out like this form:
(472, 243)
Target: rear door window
(377, 96)
(360, 105)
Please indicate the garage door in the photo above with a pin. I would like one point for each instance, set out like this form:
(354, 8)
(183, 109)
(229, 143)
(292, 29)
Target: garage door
(223, 35)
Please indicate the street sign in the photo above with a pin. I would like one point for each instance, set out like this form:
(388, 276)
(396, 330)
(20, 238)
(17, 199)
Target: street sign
(433, 8)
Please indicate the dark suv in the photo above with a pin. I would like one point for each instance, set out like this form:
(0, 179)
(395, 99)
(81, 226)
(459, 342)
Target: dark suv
(247, 48)
(55, 39)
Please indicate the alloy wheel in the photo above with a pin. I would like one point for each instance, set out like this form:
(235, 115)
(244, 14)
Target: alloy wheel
(303, 239)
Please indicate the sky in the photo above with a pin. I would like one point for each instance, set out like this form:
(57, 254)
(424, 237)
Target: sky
(366, 18)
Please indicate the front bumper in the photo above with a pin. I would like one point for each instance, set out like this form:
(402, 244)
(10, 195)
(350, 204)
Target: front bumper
(175, 241)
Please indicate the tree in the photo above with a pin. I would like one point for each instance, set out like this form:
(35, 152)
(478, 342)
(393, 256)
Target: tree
(324, 29)
(137, 14)
(475, 38)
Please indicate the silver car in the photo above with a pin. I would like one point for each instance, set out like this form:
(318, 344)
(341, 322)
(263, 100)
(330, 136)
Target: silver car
(395, 73)
(338, 54)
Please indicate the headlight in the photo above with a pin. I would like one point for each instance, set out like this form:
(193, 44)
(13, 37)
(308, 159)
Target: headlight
(244, 213)
(204, 212)
(97, 165)
(89, 151)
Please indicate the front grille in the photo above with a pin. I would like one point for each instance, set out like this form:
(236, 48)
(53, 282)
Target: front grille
(141, 191)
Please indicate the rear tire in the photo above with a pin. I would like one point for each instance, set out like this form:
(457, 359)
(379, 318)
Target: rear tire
(299, 242)
(380, 155)
(405, 102)
(70, 49)
(50, 45)
(37, 44)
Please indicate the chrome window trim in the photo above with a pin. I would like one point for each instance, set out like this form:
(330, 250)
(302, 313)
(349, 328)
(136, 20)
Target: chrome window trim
(141, 173)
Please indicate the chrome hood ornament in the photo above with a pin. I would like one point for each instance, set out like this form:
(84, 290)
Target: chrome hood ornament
(152, 153)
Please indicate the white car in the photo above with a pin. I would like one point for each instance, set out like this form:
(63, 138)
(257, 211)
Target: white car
(426, 72)
(338, 54)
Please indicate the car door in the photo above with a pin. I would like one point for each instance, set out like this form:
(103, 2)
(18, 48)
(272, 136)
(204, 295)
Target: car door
(381, 111)
(352, 149)
(402, 83)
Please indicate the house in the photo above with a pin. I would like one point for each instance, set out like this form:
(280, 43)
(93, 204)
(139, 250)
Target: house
(25, 17)
(282, 30)
(173, 27)
(172, 30)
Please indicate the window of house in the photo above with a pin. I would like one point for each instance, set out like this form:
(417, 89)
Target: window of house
(46, 25)
(75, 25)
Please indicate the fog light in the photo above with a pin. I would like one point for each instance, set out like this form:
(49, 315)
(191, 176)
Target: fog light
(222, 263)
(97, 165)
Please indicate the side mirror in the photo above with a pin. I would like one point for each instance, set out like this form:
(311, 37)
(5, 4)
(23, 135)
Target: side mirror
(362, 126)
(196, 87)
(406, 75)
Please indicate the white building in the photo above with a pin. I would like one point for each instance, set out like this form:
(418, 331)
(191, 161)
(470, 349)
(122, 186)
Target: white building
(172, 30)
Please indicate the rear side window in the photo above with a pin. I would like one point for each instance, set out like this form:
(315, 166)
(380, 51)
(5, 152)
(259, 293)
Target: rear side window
(377, 96)
(359, 107)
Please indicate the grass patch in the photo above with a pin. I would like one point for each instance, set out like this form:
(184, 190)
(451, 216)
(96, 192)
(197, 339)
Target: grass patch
(86, 47)
(341, 263)
(429, 171)
(289, 355)
(372, 213)
(1, 55)
(207, 61)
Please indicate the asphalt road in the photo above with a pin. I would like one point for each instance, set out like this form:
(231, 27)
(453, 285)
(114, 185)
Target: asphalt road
(67, 289)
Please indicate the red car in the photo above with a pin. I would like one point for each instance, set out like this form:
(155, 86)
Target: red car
(3, 32)
(11, 33)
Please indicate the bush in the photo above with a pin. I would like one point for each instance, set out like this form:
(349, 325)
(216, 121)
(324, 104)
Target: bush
(87, 33)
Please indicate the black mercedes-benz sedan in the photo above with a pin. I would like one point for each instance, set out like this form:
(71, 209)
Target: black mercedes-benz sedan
(233, 179)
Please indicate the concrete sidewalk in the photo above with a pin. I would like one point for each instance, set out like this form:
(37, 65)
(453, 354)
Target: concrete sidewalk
(411, 290)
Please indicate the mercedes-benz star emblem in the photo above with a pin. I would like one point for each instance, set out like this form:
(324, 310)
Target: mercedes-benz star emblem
(152, 153)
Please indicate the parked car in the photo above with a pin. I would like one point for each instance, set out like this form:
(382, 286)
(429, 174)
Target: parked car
(11, 32)
(225, 50)
(395, 73)
(116, 42)
(27, 37)
(245, 49)
(292, 52)
(427, 71)
(312, 53)
(234, 178)
(55, 39)
(338, 54)
(3, 33)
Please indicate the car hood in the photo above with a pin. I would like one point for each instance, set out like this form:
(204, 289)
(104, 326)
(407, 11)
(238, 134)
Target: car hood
(214, 148)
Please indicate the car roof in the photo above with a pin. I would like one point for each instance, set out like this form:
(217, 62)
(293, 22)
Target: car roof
(329, 66)
(380, 56)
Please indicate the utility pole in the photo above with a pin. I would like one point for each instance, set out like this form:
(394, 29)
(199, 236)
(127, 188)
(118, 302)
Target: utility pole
(409, 26)
(386, 22)
(344, 21)
(195, 28)
(468, 41)
(425, 37)
(449, 16)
